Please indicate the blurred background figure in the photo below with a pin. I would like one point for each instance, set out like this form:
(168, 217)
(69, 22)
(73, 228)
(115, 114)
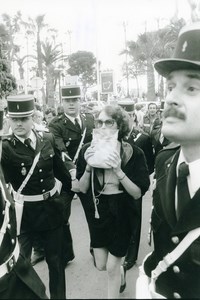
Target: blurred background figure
(140, 114)
(60, 110)
(150, 118)
(38, 122)
(49, 114)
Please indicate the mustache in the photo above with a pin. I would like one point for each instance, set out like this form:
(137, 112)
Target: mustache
(173, 112)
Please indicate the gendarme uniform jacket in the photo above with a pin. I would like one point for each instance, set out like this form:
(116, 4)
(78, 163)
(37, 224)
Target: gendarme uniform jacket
(17, 160)
(66, 134)
(182, 279)
(18, 279)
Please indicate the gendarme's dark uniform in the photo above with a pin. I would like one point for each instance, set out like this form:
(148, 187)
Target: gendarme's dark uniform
(45, 216)
(182, 279)
(68, 139)
(18, 279)
(38, 202)
(68, 136)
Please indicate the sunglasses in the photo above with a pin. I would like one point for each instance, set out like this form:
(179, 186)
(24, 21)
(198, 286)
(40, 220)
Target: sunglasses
(108, 123)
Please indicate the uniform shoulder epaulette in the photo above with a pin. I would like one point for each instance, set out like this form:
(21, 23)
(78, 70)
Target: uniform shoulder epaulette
(87, 114)
(171, 146)
(7, 137)
(60, 117)
(166, 153)
(56, 119)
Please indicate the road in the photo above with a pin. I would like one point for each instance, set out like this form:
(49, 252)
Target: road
(83, 280)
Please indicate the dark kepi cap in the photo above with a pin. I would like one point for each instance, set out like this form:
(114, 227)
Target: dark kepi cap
(127, 105)
(70, 92)
(186, 54)
(20, 106)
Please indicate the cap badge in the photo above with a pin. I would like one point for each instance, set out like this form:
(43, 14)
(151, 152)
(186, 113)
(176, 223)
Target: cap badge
(18, 107)
(184, 46)
(70, 91)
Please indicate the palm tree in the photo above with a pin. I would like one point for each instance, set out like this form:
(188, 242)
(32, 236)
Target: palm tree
(50, 55)
(151, 46)
(12, 27)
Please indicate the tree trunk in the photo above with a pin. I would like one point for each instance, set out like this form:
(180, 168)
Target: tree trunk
(40, 68)
(161, 88)
(50, 87)
(151, 95)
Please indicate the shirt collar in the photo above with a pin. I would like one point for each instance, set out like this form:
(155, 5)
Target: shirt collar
(193, 178)
(31, 136)
(72, 119)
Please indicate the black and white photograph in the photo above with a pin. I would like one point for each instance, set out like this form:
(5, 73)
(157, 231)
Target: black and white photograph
(100, 149)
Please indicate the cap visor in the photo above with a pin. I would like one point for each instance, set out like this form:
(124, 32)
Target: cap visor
(19, 115)
(166, 66)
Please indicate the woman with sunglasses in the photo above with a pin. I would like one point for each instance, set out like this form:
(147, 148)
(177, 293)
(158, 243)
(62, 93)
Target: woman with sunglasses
(110, 192)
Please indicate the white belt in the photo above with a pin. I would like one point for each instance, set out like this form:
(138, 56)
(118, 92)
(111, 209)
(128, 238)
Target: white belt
(34, 198)
(8, 265)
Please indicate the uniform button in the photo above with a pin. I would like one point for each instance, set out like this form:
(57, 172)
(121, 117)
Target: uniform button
(177, 295)
(43, 191)
(175, 239)
(9, 226)
(22, 164)
(11, 263)
(176, 269)
(41, 180)
(3, 212)
(40, 170)
(51, 155)
(13, 241)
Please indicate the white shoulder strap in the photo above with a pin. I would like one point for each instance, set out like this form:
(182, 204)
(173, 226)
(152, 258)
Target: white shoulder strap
(79, 146)
(6, 214)
(29, 173)
(171, 257)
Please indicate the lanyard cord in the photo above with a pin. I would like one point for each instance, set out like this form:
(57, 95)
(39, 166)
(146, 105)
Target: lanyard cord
(95, 198)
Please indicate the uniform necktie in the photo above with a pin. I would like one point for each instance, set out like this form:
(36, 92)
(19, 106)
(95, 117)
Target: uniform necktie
(27, 142)
(77, 124)
(182, 188)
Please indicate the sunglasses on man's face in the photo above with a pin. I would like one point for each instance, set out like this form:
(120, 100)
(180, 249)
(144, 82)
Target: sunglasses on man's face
(108, 123)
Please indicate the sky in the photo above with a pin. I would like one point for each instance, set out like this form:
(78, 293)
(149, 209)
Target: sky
(100, 26)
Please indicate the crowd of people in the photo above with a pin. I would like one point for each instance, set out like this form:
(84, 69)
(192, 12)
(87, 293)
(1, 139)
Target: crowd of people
(106, 160)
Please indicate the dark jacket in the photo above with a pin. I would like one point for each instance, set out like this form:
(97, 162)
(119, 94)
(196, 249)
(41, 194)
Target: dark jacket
(22, 282)
(133, 165)
(17, 160)
(183, 277)
(67, 136)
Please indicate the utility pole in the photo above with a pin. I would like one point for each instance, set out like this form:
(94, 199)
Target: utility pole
(126, 57)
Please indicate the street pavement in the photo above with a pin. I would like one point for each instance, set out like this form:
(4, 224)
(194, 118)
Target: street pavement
(83, 280)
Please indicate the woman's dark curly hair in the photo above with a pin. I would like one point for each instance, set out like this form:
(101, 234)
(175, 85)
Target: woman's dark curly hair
(121, 117)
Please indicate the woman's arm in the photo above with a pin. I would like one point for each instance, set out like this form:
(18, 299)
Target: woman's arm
(131, 188)
(84, 181)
